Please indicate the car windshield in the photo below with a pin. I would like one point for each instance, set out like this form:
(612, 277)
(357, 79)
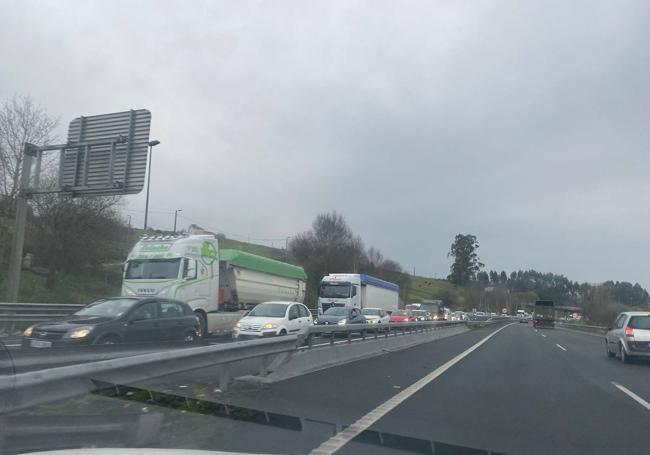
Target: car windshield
(152, 269)
(419, 312)
(336, 311)
(400, 313)
(108, 308)
(371, 312)
(334, 291)
(640, 322)
(269, 310)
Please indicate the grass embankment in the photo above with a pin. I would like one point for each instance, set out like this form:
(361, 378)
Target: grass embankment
(69, 289)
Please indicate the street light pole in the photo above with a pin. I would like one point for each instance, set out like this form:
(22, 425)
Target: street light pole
(146, 207)
(176, 217)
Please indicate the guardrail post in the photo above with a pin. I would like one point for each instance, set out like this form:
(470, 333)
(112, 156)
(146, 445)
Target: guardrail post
(310, 340)
(12, 324)
(349, 336)
(224, 376)
(363, 335)
(331, 338)
(376, 332)
(387, 332)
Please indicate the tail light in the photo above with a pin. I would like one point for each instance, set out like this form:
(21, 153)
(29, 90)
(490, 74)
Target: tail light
(629, 332)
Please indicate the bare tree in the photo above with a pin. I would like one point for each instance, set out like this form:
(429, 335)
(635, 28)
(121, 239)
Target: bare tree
(20, 121)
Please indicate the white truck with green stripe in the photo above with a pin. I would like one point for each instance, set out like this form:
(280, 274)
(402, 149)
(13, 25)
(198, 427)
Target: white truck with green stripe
(214, 282)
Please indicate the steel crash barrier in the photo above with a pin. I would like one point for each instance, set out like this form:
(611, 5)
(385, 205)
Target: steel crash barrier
(582, 327)
(274, 358)
(15, 316)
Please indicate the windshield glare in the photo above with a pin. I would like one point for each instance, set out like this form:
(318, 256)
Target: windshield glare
(371, 312)
(336, 311)
(269, 310)
(108, 308)
(152, 269)
(334, 291)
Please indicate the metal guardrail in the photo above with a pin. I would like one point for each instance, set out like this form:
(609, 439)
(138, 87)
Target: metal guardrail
(583, 328)
(13, 315)
(24, 390)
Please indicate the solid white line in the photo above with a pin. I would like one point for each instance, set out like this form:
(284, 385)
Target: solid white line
(632, 395)
(564, 349)
(12, 345)
(336, 442)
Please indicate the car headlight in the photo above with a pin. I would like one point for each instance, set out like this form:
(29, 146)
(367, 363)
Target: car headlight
(238, 325)
(315, 320)
(28, 331)
(342, 322)
(373, 321)
(80, 333)
(270, 326)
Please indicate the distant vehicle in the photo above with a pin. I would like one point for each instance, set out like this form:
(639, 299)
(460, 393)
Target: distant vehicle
(270, 319)
(341, 316)
(629, 336)
(458, 316)
(434, 307)
(353, 290)
(521, 314)
(420, 315)
(118, 320)
(544, 314)
(193, 269)
(376, 315)
(402, 316)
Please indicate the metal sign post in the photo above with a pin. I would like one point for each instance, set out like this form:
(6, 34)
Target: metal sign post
(105, 155)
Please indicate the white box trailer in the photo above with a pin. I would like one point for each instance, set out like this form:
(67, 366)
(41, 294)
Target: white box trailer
(193, 269)
(357, 290)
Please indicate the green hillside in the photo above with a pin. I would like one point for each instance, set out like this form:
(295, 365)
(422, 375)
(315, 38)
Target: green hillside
(430, 288)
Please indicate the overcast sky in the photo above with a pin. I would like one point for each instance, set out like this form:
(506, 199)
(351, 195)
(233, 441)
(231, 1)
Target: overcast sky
(524, 123)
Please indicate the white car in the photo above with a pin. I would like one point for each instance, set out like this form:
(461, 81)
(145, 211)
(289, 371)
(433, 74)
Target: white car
(376, 316)
(273, 319)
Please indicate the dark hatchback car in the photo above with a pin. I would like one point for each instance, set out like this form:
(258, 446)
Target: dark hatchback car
(341, 316)
(118, 320)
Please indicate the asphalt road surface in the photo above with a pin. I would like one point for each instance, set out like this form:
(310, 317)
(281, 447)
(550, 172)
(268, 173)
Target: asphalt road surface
(507, 389)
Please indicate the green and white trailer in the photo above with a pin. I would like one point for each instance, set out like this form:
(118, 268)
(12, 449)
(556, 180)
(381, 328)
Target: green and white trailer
(214, 282)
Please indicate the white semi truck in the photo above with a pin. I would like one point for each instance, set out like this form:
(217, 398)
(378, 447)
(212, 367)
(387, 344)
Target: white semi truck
(214, 282)
(357, 290)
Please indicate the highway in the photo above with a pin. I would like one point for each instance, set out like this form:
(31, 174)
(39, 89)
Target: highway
(503, 389)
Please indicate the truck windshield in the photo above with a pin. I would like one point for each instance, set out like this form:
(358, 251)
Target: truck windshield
(152, 269)
(371, 312)
(269, 310)
(334, 291)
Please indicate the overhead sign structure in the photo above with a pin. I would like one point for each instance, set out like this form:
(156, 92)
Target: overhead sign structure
(106, 154)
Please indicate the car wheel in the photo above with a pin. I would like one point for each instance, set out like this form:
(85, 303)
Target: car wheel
(109, 339)
(190, 337)
(624, 357)
(203, 325)
(282, 332)
(609, 353)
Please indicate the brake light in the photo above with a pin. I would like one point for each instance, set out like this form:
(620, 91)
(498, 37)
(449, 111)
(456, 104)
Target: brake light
(629, 332)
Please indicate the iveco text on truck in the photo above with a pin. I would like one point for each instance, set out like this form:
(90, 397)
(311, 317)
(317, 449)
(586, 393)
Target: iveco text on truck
(193, 269)
(356, 290)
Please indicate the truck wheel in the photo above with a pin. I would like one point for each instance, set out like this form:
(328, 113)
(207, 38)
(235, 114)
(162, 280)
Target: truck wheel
(203, 324)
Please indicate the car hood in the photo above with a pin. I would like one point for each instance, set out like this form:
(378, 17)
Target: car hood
(72, 322)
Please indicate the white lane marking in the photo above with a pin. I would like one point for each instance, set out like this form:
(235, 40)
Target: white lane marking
(340, 439)
(632, 395)
(564, 349)
(543, 335)
(12, 345)
(535, 330)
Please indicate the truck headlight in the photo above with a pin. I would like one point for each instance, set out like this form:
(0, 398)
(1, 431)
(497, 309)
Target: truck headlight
(270, 326)
(28, 331)
(342, 322)
(128, 291)
(80, 333)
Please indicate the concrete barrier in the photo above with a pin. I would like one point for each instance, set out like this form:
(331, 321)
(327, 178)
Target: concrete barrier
(304, 361)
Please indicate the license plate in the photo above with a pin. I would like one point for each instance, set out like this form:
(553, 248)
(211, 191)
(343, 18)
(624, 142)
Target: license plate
(40, 344)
